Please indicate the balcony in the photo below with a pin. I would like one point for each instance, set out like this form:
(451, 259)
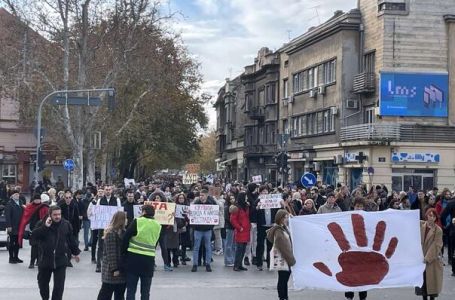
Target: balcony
(371, 132)
(364, 83)
(256, 113)
(388, 132)
(260, 150)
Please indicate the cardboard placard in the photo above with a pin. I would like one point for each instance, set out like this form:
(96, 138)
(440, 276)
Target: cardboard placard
(164, 212)
(102, 216)
(181, 211)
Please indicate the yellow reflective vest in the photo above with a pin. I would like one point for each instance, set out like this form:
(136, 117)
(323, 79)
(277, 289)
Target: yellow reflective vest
(148, 233)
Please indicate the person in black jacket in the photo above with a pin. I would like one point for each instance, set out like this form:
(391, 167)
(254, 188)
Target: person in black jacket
(203, 232)
(449, 212)
(13, 215)
(265, 220)
(55, 240)
(252, 196)
(128, 206)
(70, 212)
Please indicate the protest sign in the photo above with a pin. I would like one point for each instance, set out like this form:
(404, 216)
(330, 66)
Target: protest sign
(190, 178)
(215, 191)
(164, 212)
(102, 215)
(181, 210)
(202, 214)
(257, 179)
(129, 182)
(270, 201)
(357, 251)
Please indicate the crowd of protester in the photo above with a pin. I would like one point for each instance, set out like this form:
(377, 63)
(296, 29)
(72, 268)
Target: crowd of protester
(245, 234)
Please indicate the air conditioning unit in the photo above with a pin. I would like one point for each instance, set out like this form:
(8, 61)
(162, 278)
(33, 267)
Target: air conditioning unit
(317, 166)
(321, 90)
(291, 99)
(334, 110)
(285, 101)
(377, 111)
(352, 104)
(313, 93)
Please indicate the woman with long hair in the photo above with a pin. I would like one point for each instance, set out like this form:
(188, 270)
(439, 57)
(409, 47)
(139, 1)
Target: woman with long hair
(112, 274)
(184, 232)
(240, 220)
(431, 238)
(280, 236)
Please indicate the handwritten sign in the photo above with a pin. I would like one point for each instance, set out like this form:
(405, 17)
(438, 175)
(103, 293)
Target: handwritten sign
(102, 216)
(270, 201)
(257, 179)
(201, 214)
(215, 191)
(129, 182)
(190, 178)
(164, 212)
(181, 211)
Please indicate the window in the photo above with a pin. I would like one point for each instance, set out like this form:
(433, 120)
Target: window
(326, 121)
(369, 115)
(329, 72)
(303, 125)
(285, 88)
(320, 122)
(369, 62)
(248, 101)
(9, 173)
(332, 122)
(270, 93)
(260, 135)
(295, 85)
(261, 97)
(391, 6)
(313, 77)
(286, 126)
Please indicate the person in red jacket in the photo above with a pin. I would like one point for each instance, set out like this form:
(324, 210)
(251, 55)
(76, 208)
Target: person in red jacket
(33, 212)
(240, 220)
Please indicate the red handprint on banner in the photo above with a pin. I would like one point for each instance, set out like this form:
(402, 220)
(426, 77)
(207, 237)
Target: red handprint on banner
(360, 268)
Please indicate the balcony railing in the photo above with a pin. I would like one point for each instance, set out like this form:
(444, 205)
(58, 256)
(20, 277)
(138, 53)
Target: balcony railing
(398, 132)
(364, 83)
(256, 113)
(260, 149)
(378, 132)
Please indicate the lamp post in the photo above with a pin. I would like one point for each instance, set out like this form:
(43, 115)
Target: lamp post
(111, 92)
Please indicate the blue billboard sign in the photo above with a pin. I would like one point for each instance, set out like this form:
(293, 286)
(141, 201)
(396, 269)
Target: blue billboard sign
(414, 94)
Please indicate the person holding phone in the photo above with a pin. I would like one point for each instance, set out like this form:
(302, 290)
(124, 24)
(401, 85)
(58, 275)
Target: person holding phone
(55, 239)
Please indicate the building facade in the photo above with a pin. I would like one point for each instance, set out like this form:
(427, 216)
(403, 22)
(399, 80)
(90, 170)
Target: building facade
(261, 84)
(230, 131)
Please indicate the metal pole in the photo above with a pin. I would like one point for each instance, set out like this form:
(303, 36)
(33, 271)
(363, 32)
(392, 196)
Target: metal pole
(38, 126)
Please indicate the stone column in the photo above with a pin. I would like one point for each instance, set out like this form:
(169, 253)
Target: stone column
(450, 20)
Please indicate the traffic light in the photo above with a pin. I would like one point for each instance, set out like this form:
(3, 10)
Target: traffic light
(281, 160)
(41, 160)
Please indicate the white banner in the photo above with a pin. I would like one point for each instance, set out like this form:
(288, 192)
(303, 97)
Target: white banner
(357, 251)
(270, 201)
(257, 179)
(204, 214)
(102, 215)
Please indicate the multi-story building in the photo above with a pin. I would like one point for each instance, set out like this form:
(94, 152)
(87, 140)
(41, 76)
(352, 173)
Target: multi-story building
(365, 96)
(261, 84)
(230, 130)
(316, 75)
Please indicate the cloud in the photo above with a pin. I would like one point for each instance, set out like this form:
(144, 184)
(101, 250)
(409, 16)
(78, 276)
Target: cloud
(225, 35)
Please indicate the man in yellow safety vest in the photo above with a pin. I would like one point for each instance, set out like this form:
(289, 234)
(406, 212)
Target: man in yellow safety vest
(139, 244)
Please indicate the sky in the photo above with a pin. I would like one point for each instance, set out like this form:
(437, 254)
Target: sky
(224, 36)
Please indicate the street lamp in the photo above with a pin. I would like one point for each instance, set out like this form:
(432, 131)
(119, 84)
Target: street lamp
(78, 101)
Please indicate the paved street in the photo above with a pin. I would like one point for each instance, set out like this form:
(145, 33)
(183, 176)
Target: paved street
(19, 283)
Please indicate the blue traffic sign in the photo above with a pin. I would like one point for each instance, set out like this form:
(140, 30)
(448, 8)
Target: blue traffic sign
(308, 180)
(68, 164)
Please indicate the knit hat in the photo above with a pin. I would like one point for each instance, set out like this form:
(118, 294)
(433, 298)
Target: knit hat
(280, 215)
(44, 198)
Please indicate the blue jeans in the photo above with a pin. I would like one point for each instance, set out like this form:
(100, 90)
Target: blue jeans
(131, 286)
(198, 237)
(86, 225)
(229, 247)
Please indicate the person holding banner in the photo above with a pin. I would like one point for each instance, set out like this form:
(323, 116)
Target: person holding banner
(265, 219)
(240, 220)
(184, 234)
(158, 196)
(431, 237)
(139, 244)
(283, 258)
